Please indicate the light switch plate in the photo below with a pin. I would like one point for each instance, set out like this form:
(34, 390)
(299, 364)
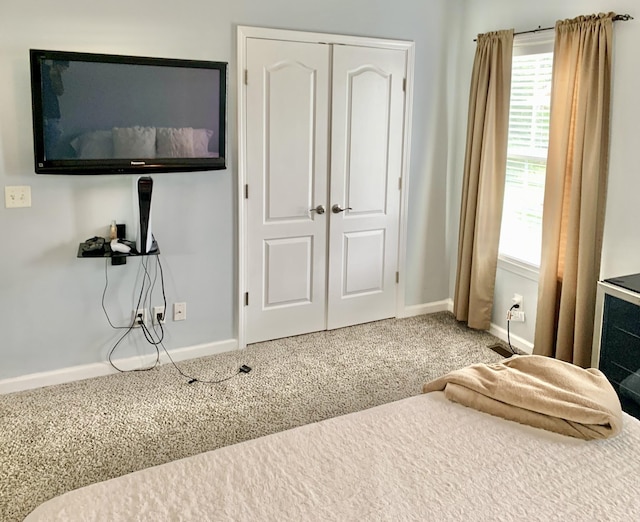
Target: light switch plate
(17, 196)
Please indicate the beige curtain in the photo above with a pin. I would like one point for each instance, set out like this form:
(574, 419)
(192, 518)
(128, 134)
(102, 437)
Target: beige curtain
(575, 188)
(484, 174)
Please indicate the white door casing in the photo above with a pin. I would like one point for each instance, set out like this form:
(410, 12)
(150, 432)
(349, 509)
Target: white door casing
(297, 277)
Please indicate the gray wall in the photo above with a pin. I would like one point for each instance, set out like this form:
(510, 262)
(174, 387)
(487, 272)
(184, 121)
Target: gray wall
(50, 313)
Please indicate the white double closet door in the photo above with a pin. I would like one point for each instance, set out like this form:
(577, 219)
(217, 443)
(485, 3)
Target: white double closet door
(324, 142)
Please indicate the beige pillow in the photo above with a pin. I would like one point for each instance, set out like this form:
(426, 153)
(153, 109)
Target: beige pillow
(201, 139)
(94, 145)
(134, 142)
(175, 143)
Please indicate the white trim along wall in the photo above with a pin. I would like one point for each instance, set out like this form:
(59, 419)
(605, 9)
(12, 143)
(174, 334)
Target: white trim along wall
(88, 371)
(101, 369)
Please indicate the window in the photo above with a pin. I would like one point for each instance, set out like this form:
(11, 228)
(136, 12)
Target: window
(521, 230)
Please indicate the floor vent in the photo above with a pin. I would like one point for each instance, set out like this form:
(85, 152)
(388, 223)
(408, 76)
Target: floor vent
(501, 349)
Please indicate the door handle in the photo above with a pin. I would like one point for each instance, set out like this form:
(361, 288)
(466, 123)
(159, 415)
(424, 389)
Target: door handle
(319, 209)
(336, 209)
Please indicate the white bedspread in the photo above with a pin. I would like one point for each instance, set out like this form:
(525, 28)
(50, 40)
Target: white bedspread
(422, 458)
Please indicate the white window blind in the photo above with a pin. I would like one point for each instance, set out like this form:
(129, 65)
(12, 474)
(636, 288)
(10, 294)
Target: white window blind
(521, 232)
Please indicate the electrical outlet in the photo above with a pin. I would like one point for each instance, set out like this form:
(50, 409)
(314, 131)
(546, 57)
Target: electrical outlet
(158, 311)
(17, 196)
(179, 311)
(136, 315)
(517, 299)
(515, 316)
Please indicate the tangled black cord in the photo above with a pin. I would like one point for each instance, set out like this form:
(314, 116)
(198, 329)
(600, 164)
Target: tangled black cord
(152, 336)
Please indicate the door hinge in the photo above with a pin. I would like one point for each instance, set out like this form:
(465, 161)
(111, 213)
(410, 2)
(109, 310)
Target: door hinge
(397, 277)
(246, 76)
(399, 183)
(246, 191)
(404, 84)
(246, 298)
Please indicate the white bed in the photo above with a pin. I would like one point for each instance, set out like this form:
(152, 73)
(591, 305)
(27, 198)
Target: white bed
(421, 458)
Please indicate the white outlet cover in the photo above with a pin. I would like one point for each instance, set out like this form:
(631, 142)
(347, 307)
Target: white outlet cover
(179, 311)
(17, 196)
(158, 310)
(142, 311)
(517, 316)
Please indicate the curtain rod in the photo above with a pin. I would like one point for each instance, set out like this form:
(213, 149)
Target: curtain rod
(616, 18)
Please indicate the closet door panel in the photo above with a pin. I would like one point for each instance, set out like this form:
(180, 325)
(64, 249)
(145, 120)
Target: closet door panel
(366, 166)
(287, 100)
(367, 121)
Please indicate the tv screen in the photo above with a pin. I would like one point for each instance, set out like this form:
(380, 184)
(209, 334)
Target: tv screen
(101, 114)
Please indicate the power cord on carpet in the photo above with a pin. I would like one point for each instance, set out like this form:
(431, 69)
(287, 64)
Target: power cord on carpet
(149, 336)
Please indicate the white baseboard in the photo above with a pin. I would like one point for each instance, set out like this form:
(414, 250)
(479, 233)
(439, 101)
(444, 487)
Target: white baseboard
(428, 308)
(447, 305)
(516, 342)
(88, 371)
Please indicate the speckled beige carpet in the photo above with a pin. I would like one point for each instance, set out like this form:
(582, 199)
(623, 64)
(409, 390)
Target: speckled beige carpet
(63, 437)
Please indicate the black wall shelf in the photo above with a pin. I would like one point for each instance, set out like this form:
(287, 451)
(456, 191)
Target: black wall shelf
(117, 258)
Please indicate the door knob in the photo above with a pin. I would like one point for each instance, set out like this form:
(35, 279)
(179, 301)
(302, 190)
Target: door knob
(336, 209)
(319, 209)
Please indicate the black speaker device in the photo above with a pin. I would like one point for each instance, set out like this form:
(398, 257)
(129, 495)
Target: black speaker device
(144, 240)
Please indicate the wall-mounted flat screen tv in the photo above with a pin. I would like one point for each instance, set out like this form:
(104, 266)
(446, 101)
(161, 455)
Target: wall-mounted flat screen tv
(106, 114)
